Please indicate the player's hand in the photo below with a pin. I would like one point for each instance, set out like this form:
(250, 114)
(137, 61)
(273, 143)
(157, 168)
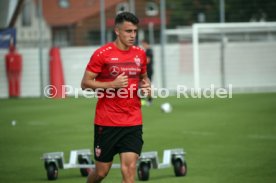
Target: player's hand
(145, 87)
(121, 81)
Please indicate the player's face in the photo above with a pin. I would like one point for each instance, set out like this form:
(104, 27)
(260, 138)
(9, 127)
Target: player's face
(126, 33)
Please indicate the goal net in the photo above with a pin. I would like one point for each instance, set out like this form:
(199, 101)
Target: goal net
(242, 55)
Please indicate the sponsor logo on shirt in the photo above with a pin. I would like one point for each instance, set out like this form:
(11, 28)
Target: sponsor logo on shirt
(115, 59)
(114, 70)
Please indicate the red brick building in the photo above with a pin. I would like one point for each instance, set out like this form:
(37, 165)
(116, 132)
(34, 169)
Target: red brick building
(77, 22)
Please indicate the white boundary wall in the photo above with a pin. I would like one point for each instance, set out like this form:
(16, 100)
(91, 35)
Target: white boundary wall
(248, 67)
(74, 61)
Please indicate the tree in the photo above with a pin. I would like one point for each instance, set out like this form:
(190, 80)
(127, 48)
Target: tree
(187, 12)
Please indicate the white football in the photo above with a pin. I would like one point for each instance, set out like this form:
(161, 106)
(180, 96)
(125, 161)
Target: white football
(166, 107)
(13, 122)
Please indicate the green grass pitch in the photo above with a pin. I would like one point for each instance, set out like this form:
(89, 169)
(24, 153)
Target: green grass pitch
(226, 140)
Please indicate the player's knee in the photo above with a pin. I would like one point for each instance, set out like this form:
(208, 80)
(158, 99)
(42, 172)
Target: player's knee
(101, 175)
(128, 167)
(132, 166)
(96, 177)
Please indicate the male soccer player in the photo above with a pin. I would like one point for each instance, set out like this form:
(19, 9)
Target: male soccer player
(117, 70)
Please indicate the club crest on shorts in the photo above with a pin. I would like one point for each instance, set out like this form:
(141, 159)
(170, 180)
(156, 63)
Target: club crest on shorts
(98, 151)
(137, 60)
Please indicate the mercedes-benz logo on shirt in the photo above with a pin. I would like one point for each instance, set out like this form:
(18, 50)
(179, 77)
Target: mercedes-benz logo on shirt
(114, 71)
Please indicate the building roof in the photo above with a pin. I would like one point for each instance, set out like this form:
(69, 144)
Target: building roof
(77, 10)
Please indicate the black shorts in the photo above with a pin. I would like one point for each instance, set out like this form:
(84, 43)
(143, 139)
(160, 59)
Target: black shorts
(109, 141)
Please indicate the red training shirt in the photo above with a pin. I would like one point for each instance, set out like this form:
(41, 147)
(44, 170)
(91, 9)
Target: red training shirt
(118, 107)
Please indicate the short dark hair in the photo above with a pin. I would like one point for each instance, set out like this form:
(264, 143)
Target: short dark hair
(126, 16)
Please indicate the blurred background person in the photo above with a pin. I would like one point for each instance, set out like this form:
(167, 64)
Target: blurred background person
(149, 53)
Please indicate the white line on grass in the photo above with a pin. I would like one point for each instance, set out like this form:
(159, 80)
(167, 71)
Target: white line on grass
(37, 123)
(198, 133)
(262, 137)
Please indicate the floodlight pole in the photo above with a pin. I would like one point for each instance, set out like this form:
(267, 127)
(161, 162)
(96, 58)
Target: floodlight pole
(222, 11)
(163, 40)
(132, 6)
(40, 50)
(196, 56)
(103, 24)
(222, 45)
(151, 33)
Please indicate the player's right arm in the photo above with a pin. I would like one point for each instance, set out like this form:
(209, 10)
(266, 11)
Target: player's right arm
(89, 81)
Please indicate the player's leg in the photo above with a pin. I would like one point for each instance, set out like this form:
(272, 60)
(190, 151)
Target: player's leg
(103, 153)
(130, 147)
(99, 173)
(128, 166)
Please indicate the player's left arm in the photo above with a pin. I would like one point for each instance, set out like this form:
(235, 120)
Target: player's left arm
(145, 84)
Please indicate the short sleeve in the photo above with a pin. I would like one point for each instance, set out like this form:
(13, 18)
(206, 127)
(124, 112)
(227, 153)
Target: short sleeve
(95, 64)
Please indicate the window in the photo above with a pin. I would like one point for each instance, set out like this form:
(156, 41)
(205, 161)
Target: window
(122, 7)
(94, 37)
(64, 3)
(151, 9)
(26, 14)
(61, 37)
